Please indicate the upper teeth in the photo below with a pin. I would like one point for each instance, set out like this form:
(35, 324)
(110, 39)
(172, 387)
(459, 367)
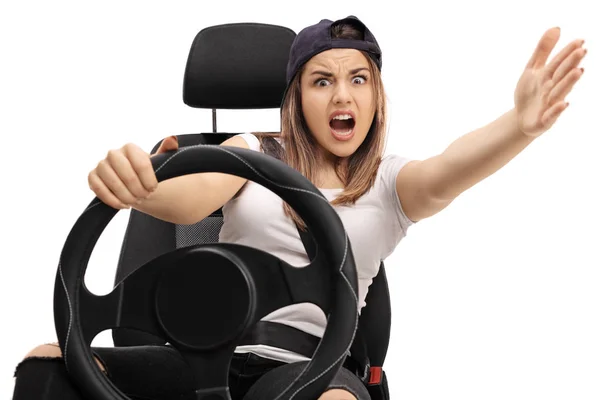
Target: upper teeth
(343, 116)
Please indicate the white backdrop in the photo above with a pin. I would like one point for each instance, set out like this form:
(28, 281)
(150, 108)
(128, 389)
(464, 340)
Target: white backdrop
(497, 297)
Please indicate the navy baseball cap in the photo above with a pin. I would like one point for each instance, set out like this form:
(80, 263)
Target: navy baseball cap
(315, 39)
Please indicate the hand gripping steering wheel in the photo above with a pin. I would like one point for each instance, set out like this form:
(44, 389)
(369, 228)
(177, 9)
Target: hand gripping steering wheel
(223, 289)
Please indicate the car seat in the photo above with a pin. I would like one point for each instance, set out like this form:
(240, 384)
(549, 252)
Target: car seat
(243, 66)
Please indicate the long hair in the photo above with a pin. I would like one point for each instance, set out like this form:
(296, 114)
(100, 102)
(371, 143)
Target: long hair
(359, 172)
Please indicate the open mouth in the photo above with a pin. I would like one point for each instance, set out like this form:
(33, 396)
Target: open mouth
(342, 125)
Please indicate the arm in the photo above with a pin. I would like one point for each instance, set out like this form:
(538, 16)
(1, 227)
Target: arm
(190, 198)
(427, 187)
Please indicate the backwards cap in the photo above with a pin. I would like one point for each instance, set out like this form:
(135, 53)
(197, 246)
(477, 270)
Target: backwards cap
(317, 38)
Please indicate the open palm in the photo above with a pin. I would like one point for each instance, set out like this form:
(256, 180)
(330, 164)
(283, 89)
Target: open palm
(541, 90)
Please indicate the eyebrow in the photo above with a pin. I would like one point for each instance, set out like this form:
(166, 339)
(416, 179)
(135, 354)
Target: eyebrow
(329, 74)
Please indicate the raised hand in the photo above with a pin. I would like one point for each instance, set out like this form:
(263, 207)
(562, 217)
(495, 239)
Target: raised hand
(541, 91)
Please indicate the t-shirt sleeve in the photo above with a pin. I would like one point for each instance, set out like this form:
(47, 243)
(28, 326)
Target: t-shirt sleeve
(398, 221)
(252, 141)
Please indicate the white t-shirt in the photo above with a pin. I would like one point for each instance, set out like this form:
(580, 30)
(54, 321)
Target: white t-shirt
(375, 225)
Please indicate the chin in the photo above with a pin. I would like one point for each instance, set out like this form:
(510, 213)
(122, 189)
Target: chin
(343, 150)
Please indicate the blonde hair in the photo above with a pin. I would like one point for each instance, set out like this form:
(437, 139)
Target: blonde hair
(359, 172)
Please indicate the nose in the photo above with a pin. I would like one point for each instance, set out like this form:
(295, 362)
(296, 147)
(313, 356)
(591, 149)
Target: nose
(341, 94)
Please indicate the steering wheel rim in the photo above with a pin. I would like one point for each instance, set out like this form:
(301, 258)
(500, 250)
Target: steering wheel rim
(291, 186)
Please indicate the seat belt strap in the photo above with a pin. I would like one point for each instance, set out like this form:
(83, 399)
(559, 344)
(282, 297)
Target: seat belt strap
(281, 336)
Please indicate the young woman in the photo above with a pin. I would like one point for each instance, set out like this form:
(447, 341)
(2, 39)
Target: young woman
(333, 125)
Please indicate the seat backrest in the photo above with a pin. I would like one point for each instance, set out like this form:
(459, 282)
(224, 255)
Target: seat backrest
(232, 66)
(229, 66)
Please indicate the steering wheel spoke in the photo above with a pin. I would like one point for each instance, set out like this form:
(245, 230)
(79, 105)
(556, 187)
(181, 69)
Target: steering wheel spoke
(210, 371)
(98, 313)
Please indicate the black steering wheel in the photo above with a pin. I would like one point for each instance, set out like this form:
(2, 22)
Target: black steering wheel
(224, 288)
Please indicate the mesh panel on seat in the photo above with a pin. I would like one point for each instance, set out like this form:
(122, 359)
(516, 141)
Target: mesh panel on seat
(205, 231)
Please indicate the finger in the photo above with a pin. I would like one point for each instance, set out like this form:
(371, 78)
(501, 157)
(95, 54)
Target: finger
(564, 87)
(544, 48)
(168, 144)
(141, 164)
(568, 64)
(560, 57)
(103, 193)
(121, 165)
(551, 115)
(112, 181)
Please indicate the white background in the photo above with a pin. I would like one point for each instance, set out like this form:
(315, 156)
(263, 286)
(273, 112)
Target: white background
(497, 297)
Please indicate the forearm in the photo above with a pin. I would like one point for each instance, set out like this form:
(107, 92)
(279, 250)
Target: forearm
(190, 198)
(477, 155)
(175, 200)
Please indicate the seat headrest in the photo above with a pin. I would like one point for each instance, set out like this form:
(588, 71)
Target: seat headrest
(238, 66)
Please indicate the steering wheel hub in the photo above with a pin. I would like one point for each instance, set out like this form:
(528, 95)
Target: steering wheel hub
(188, 291)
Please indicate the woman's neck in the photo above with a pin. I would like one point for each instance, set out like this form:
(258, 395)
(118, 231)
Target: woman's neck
(327, 178)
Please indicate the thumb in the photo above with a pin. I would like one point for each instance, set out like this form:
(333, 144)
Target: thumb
(168, 144)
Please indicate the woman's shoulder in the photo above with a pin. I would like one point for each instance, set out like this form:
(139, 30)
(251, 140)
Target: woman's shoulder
(386, 187)
(390, 165)
(251, 139)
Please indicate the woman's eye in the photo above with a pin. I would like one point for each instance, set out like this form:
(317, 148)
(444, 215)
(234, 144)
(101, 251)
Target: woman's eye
(359, 80)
